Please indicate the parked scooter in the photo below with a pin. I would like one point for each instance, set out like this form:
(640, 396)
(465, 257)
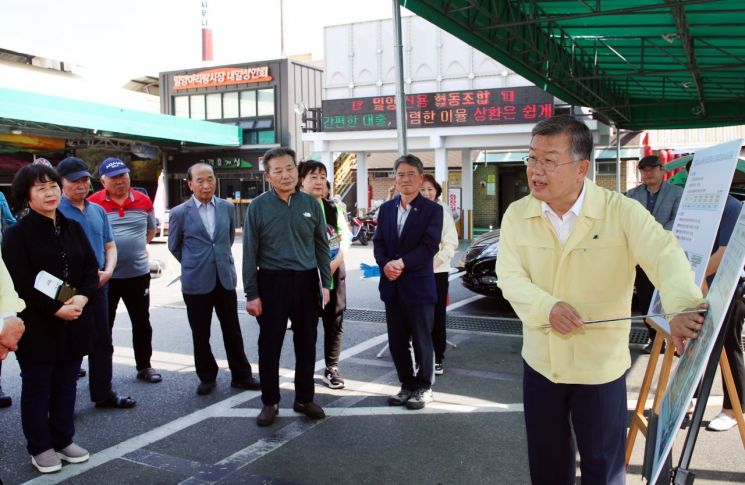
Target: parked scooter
(363, 228)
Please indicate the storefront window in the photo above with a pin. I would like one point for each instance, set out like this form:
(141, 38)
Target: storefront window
(230, 105)
(214, 106)
(248, 104)
(181, 106)
(266, 137)
(197, 106)
(265, 102)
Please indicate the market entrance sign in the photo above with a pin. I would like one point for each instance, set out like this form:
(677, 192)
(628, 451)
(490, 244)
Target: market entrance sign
(222, 76)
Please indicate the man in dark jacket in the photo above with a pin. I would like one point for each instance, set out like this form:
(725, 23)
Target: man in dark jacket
(405, 243)
(661, 199)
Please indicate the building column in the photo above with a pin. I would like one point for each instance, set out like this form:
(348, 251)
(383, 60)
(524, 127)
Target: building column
(467, 192)
(328, 160)
(441, 166)
(362, 183)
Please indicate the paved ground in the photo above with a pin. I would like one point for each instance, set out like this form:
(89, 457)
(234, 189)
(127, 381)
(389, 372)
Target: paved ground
(473, 433)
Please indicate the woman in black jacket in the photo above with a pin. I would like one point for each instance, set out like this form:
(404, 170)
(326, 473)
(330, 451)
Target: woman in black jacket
(41, 251)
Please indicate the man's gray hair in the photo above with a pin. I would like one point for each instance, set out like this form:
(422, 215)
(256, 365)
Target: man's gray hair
(409, 159)
(579, 134)
(197, 166)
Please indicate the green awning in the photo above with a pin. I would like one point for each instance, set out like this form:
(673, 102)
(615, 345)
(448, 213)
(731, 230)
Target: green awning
(644, 64)
(22, 109)
(682, 161)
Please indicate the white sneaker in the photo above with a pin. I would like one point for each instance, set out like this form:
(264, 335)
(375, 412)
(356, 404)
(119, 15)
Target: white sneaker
(419, 399)
(722, 422)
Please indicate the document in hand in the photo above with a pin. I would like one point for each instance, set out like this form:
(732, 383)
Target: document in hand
(48, 284)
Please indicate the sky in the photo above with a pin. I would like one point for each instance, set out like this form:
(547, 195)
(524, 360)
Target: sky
(143, 37)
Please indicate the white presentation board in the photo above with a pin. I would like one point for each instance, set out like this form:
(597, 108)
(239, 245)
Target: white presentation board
(700, 210)
(693, 362)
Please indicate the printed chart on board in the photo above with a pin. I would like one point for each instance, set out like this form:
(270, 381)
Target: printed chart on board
(701, 209)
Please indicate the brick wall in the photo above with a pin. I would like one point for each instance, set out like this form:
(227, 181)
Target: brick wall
(628, 177)
(484, 205)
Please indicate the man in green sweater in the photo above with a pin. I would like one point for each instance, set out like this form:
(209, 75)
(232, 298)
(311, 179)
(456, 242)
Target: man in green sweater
(286, 274)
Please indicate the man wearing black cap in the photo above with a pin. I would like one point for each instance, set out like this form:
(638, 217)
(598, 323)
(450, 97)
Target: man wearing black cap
(661, 199)
(133, 224)
(75, 187)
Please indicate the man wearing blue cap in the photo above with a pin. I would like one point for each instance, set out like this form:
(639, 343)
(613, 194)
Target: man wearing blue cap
(133, 223)
(76, 184)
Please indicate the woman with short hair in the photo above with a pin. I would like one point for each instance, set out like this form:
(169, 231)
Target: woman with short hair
(313, 182)
(54, 270)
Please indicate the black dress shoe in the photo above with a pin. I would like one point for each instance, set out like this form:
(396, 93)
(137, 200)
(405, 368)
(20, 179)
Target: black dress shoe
(250, 383)
(205, 388)
(5, 400)
(267, 415)
(116, 401)
(310, 409)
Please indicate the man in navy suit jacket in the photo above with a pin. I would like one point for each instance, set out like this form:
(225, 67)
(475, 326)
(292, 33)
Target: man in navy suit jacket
(200, 235)
(406, 241)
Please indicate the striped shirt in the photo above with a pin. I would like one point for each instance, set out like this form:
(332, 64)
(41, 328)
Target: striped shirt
(130, 223)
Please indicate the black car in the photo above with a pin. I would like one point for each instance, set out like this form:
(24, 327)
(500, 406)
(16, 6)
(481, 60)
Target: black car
(478, 263)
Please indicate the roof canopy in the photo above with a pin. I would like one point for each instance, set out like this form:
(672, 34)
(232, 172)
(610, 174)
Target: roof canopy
(51, 115)
(644, 64)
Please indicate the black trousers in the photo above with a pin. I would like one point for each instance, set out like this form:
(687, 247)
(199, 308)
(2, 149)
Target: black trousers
(136, 295)
(99, 360)
(48, 403)
(293, 295)
(644, 291)
(199, 311)
(733, 349)
(596, 413)
(410, 326)
(333, 331)
(439, 334)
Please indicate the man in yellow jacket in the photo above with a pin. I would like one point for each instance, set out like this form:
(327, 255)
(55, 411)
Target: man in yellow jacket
(567, 254)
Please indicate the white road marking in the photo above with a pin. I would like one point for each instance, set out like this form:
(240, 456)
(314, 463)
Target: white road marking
(431, 408)
(215, 410)
(461, 303)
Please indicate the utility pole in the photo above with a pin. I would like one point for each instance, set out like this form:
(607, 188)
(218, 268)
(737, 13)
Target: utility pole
(206, 35)
(400, 98)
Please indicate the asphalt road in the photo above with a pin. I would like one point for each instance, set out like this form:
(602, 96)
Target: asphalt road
(472, 433)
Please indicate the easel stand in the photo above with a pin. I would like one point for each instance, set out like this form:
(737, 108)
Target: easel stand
(681, 475)
(639, 420)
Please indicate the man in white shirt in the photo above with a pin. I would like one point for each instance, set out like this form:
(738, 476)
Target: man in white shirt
(200, 235)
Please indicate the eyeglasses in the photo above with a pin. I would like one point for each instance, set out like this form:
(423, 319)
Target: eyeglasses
(546, 165)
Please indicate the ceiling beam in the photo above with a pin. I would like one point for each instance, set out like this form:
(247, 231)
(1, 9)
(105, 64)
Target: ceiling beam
(681, 22)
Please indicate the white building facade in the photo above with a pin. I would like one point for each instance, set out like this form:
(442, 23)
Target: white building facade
(461, 107)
